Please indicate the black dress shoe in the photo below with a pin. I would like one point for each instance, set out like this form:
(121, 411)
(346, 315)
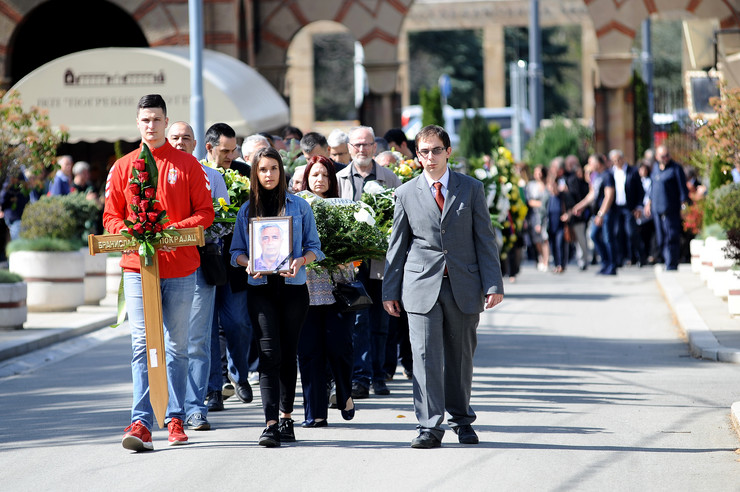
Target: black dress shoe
(359, 391)
(380, 388)
(243, 391)
(214, 401)
(425, 440)
(270, 437)
(466, 434)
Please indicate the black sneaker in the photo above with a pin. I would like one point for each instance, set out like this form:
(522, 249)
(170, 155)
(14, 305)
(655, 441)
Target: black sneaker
(287, 433)
(270, 437)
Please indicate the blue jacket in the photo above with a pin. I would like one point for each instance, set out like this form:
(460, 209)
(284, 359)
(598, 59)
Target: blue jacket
(668, 189)
(305, 236)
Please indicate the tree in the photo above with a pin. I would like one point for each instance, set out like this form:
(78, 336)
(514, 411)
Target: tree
(720, 137)
(475, 136)
(561, 54)
(28, 144)
(559, 139)
(431, 107)
(458, 53)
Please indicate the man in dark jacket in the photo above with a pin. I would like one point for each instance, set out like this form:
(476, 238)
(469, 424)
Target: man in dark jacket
(627, 200)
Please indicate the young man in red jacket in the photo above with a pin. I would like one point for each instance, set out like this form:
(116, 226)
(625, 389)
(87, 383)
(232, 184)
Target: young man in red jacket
(183, 190)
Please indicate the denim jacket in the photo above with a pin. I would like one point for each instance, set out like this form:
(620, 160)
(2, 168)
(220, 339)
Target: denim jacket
(305, 237)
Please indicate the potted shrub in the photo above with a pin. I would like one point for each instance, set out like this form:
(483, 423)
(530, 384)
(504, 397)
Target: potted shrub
(13, 309)
(87, 216)
(48, 257)
(733, 276)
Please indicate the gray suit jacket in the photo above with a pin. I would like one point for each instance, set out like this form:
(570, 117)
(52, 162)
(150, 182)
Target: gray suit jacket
(424, 241)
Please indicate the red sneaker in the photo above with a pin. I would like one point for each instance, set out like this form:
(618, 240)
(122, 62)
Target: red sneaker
(177, 434)
(137, 437)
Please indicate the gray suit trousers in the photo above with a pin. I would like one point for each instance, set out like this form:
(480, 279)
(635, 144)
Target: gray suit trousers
(443, 343)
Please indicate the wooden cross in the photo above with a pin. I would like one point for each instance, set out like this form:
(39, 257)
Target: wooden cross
(152, 297)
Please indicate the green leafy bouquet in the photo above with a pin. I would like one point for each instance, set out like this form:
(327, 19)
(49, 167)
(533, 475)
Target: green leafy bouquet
(238, 188)
(347, 230)
(383, 202)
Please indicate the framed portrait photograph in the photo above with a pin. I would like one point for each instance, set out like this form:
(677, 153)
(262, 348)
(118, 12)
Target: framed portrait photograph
(270, 240)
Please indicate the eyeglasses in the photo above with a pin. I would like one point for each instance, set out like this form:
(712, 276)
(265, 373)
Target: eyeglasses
(426, 152)
(358, 146)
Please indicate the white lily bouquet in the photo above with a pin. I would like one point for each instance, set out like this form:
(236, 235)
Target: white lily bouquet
(347, 231)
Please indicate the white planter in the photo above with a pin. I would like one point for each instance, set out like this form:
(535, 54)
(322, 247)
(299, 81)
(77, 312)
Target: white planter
(95, 276)
(720, 264)
(733, 297)
(56, 280)
(695, 247)
(112, 274)
(705, 257)
(721, 283)
(13, 309)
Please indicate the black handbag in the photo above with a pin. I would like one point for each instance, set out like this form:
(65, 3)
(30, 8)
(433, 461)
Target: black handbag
(212, 264)
(351, 296)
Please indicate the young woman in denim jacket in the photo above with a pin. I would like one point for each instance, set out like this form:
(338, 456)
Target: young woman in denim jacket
(277, 303)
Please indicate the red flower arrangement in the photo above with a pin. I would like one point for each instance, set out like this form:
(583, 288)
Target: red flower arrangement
(693, 217)
(146, 221)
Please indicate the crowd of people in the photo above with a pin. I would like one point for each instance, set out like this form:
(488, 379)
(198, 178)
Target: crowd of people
(256, 310)
(607, 213)
(244, 308)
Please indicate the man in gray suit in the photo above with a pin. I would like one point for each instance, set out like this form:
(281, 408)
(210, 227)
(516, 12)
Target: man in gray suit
(443, 265)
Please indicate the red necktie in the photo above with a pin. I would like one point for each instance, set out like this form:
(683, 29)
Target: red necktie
(438, 196)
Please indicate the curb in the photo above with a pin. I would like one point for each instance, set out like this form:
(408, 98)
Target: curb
(57, 336)
(702, 342)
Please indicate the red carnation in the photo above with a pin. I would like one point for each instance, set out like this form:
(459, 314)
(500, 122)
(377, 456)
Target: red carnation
(139, 228)
(150, 193)
(152, 216)
(136, 201)
(148, 227)
(157, 228)
(142, 217)
(139, 164)
(143, 176)
(132, 218)
(134, 188)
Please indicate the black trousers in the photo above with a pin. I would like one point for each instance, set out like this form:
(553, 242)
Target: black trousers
(277, 311)
(326, 337)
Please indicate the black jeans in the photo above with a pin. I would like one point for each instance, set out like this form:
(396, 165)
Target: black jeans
(277, 311)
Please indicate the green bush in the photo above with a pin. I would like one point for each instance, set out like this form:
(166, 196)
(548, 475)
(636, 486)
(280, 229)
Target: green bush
(86, 214)
(712, 230)
(559, 139)
(431, 107)
(43, 244)
(7, 277)
(48, 218)
(475, 136)
(724, 203)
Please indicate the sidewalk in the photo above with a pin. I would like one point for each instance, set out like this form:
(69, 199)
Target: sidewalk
(45, 329)
(703, 319)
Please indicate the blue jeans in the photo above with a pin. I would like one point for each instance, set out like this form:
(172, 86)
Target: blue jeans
(668, 232)
(625, 235)
(177, 300)
(231, 316)
(199, 346)
(603, 238)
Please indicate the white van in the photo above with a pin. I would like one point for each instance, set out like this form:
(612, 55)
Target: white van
(411, 122)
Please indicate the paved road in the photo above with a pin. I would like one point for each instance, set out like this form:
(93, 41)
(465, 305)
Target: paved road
(581, 383)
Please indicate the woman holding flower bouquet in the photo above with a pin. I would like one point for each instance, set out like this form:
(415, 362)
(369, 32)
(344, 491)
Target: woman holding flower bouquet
(277, 302)
(326, 336)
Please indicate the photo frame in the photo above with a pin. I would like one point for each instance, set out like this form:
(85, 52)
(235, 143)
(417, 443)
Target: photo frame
(270, 244)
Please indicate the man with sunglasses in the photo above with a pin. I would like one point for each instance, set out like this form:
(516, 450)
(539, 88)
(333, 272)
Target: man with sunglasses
(443, 267)
(371, 325)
